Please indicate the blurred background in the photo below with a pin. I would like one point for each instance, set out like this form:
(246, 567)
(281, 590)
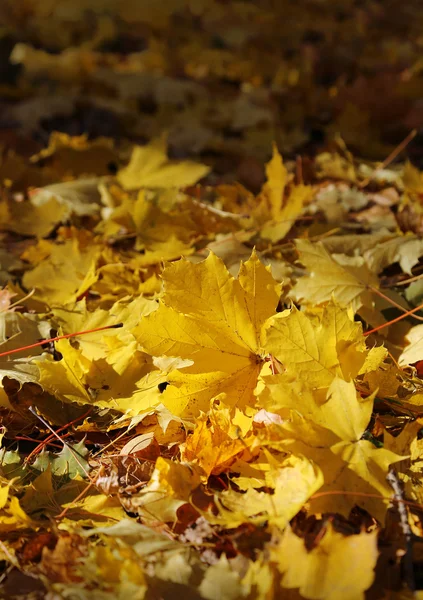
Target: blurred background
(222, 78)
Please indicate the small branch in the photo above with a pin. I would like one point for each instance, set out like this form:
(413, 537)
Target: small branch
(394, 482)
(401, 146)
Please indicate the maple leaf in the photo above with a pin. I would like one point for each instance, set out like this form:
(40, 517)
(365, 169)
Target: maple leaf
(327, 415)
(294, 480)
(59, 564)
(277, 179)
(351, 472)
(213, 446)
(72, 262)
(339, 567)
(413, 351)
(277, 211)
(220, 581)
(129, 550)
(412, 179)
(76, 155)
(12, 515)
(332, 165)
(217, 321)
(71, 461)
(409, 445)
(39, 495)
(344, 278)
(329, 430)
(106, 369)
(29, 219)
(88, 508)
(121, 574)
(319, 348)
(386, 381)
(80, 197)
(150, 167)
(405, 250)
(107, 343)
(169, 488)
(163, 220)
(18, 330)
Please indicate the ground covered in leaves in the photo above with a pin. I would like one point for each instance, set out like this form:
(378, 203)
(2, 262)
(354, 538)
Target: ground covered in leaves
(245, 422)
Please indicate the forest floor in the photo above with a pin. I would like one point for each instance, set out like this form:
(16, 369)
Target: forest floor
(211, 301)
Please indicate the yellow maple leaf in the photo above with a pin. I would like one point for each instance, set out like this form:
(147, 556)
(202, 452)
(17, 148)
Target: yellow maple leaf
(74, 317)
(149, 166)
(76, 155)
(294, 480)
(169, 488)
(89, 508)
(277, 179)
(409, 470)
(328, 430)
(114, 568)
(221, 582)
(354, 475)
(327, 416)
(277, 210)
(66, 270)
(259, 579)
(26, 219)
(344, 278)
(412, 179)
(215, 320)
(212, 446)
(12, 516)
(318, 348)
(339, 567)
(413, 351)
(164, 220)
(105, 369)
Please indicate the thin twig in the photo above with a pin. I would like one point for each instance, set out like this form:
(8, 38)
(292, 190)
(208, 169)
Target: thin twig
(60, 337)
(392, 156)
(388, 299)
(71, 450)
(394, 482)
(51, 436)
(407, 281)
(400, 318)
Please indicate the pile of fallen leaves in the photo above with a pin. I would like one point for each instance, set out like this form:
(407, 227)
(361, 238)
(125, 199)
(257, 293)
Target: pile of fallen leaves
(246, 420)
(211, 358)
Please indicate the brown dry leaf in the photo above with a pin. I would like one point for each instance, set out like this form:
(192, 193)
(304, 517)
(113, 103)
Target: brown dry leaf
(75, 156)
(60, 563)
